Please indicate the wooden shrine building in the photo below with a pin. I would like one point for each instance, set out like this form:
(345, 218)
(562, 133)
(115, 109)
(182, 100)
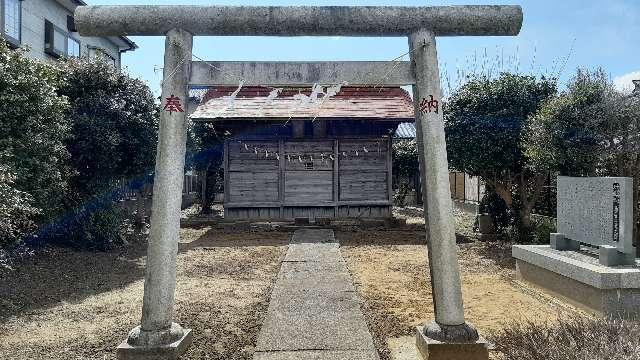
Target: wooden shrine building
(287, 158)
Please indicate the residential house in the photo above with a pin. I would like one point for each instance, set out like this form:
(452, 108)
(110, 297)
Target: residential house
(47, 29)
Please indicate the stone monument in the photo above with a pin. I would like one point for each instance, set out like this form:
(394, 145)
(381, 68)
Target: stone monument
(449, 336)
(591, 259)
(598, 212)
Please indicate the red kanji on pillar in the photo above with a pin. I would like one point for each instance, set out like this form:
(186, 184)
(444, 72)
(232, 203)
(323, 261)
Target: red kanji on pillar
(427, 106)
(173, 104)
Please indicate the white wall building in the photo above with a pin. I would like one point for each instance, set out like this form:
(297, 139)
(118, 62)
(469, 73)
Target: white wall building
(47, 29)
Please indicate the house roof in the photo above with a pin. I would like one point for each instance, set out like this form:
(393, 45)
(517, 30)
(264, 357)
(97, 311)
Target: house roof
(386, 103)
(124, 43)
(406, 130)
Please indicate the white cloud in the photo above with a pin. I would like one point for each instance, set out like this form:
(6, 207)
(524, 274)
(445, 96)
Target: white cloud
(624, 82)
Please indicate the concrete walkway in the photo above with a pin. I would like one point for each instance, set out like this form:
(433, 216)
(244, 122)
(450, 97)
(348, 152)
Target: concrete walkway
(314, 312)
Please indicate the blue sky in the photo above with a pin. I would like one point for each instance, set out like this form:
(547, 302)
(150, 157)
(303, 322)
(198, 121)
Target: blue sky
(575, 33)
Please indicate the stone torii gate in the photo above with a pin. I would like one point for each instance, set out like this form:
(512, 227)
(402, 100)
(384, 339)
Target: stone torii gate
(449, 336)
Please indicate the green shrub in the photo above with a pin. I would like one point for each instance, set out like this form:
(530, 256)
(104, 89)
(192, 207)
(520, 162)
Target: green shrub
(113, 126)
(32, 134)
(543, 227)
(69, 131)
(405, 158)
(569, 338)
(536, 233)
(101, 228)
(16, 211)
(484, 122)
(405, 166)
(519, 234)
(112, 136)
(492, 204)
(400, 195)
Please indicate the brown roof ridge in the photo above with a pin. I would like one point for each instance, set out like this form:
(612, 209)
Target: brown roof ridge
(363, 102)
(349, 92)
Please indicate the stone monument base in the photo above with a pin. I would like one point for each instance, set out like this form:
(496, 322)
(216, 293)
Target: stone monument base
(171, 351)
(578, 277)
(431, 349)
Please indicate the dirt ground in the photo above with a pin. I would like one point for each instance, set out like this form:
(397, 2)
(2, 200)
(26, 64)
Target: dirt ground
(390, 270)
(80, 305)
(63, 304)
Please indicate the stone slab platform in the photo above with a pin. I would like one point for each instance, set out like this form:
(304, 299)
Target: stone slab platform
(430, 349)
(314, 312)
(171, 351)
(577, 277)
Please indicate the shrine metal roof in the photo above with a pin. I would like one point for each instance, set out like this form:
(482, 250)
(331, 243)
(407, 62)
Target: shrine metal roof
(406, 130)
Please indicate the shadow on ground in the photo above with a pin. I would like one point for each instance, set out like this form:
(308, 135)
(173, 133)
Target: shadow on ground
(380, 238)
(62, 304)
(216, 238)
(497, 252)
(58, 275)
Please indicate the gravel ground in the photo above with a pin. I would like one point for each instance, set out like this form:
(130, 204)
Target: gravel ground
(69, 305)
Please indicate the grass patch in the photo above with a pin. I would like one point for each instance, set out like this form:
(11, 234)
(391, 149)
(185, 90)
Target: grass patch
(570, 338)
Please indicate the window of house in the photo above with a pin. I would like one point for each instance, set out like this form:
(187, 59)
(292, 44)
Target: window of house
(55, 40)
(73, 47)
(11, 20)
(71, 24)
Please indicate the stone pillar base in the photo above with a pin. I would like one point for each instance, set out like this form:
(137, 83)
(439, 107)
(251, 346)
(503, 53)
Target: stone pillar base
(171, 351)
(431, 349)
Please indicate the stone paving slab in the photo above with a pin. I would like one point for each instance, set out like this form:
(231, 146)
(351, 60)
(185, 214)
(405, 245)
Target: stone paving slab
(294, 331)
(314, 236)
(316, 303)
(317, 355)
(293, 268)
(314, 276)
(313, 252)
(322, 287)
(314, 312)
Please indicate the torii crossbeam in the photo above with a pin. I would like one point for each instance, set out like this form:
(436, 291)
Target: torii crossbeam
(449, 336)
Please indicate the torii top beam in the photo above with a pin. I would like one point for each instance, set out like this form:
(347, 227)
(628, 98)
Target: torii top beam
(299, 20)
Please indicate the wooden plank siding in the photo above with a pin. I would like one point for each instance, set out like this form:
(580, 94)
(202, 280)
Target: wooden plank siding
(305, 181)
(308, 187)
(363, 177)
(336, 177)
(253, 186)
(367, 185)
(281, 176)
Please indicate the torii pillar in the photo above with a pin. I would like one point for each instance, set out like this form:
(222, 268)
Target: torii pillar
(449, 336)
(157, 333)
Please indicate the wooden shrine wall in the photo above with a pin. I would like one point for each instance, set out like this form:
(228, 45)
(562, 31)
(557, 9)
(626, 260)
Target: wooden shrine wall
(290, 178)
